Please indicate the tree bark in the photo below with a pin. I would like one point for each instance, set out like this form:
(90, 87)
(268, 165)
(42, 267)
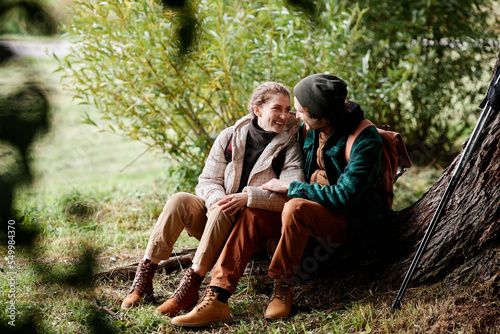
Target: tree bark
(465, 242)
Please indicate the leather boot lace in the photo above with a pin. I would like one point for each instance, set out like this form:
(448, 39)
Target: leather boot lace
(144, 276)
(207, 299)
(280, 291)
(188, 281)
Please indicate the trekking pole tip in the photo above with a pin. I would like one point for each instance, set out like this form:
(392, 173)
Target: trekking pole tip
(396, 305)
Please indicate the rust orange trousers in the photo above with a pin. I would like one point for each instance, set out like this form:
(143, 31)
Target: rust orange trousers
(300, 219)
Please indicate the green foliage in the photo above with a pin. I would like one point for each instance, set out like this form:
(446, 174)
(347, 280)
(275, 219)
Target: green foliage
(414, 67)
(428, 68)
(126, 63)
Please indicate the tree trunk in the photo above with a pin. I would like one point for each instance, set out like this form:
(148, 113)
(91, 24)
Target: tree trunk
(465, 242)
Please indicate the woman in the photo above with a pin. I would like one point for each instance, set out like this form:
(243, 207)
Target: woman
(259, 147)
(340, 199)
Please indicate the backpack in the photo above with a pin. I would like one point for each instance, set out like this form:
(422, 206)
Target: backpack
(395, 158)
(277, 163)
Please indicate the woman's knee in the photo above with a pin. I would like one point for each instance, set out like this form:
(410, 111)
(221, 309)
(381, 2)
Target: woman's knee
(182, 209)
(183, 203)
(179, 199)
(218, 218)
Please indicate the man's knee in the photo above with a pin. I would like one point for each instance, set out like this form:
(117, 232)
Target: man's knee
(293, 211)
(295, 205)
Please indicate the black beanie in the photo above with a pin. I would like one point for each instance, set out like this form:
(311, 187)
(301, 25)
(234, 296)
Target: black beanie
(322, 94)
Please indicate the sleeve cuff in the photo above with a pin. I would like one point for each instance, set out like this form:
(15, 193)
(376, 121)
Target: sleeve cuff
(294, 189)
(249, 192)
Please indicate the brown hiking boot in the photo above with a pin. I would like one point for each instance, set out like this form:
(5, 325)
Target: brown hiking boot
(208, 311)
(142, 287)
(280, 305)
(185, 296)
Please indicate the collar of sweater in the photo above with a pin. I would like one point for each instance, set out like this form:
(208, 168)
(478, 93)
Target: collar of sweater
(259, 136)
(242, 126)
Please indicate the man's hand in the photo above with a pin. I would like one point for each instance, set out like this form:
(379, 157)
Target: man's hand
(231, 204)
(277, 186)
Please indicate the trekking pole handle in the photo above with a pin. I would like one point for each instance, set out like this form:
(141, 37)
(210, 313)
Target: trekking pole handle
(469, 146)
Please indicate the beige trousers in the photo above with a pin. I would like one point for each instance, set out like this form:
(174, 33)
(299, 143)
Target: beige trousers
(187, 211)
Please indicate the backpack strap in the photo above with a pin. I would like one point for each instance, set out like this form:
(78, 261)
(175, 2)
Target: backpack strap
(352, 137)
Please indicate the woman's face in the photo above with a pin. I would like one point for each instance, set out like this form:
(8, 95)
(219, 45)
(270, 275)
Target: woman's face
(310, 122)
(274, 114)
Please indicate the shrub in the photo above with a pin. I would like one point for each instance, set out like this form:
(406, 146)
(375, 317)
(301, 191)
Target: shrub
(416, 68)
(126, 63)
(429, 66)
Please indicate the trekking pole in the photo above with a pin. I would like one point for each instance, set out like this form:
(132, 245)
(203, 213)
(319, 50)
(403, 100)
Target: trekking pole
(469, 148)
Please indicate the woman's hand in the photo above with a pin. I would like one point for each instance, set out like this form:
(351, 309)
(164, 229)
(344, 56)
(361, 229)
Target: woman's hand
(231, 204)
(277, 186)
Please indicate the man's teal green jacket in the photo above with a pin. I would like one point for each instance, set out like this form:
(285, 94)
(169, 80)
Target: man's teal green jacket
(354, 189)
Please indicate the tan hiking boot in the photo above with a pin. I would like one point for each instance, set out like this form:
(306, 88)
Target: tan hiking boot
(280, 305)
(185, 296)
(142, 287)
(208, 311)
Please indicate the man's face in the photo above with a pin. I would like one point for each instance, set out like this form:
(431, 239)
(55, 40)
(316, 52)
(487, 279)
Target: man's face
(311, 123)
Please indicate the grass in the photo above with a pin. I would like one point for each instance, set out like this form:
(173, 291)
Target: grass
(84, 196)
